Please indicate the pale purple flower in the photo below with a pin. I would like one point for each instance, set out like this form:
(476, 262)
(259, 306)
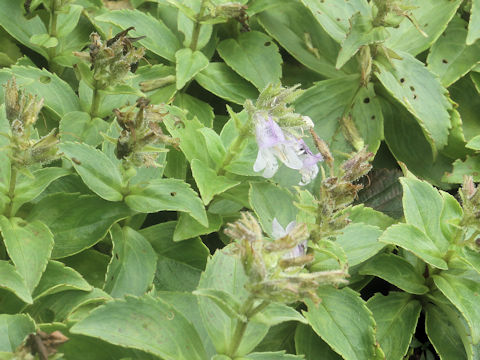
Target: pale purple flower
(278, 232)
(309, 169)
(274, 144)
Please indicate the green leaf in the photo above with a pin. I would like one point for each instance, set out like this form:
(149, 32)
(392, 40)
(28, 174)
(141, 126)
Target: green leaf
(208, 182)
(463, 293)
(159, 39)
(421, 93)
(413, 239)
(397, 271)
(97, 171)
(334, 15)
(423, 206)
(13, 281)
(277, 313)
(254, 56)
(77, 221)
(146, 324)
(307, 342)
(67, 21)
(297, 31)
(225, 301)
(432, 16)
(225, 272)
(451, 217)
(396, 316)
(133, 263)
(219, 79)
(91, 264)
(29, 245)
(60, 306)
(443, 333)
(471, 257)
(13, 21)
(58, 96)
(192, 252)
(28, 189)
(188, 64)
(57, 278)
(172, 275)
(474, 143)
(450, 58)
(13, 330)
(195, 107)
(44, 40)
(344, 322)
(469, 167)
(78, 126)
(279, 355)
(360, 242)
(187, 227)
(474, 24)
(261, 197)
(362, 32)
(186, 26)
(166, 194)
(368, 216)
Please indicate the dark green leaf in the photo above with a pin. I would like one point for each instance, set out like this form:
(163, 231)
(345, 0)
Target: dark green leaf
(188, 228)
(13, 330)
(78, 126)
(307, 342)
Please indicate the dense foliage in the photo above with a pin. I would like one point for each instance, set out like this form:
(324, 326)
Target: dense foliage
(251, 180)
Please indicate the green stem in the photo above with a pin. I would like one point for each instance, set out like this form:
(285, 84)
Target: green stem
(196, 27)
(234, 148)
(248, 310)
(11, 191)
(53, 33)
(96, 98)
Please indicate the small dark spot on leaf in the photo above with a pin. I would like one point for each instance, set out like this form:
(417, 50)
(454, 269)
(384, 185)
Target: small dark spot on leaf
(414, 97)
(45, 79)
(402, 80)
(117, 257)
(426, 24)
(412, 88)
(268, 43)
(366, 100)
(373, 117)
(338, 19)
(445, 61)
(173, 193)
(76, 161)
(475, 173)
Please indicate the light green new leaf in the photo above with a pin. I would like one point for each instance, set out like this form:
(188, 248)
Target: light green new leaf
(423, 206)
(188, 64)
(396, 316)
(12, 281)
(307, 342)
(471, 257)
(463, 293)
(78, 126)
(470, 167)
(360, 242)
(27, 189)
(58, 96)
(295, 28)
(270, 201)
(192, 252)
(17, 25)
(97, 171)
(166, 194)
(159, 39)
(414, 240)
(474, 143)
(77, 221)
(67, 21)
(368, 216)
(474, 24)
(452, 214)
(277, 313)
(225, 272)
(450, 58)
(344, 322)
(432, 16)
(219, 79)
(254, 56)
(361, 33)
(44, 40)
(421, 93)
(397, 271)
(208, 182)
(133, 263)
(334, 15)
(442, 331)
(57, 278)
(29, 245)
(186, 25)
(13, 330)
(147, 324)
(188, 228)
